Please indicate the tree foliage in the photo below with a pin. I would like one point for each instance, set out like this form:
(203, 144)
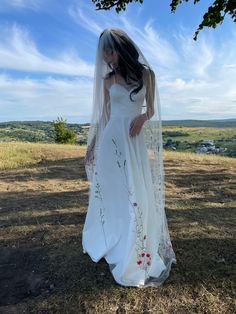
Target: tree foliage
(215, 14)
(62, 133)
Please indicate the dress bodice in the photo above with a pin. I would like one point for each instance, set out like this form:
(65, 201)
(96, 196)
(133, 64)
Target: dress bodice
(121, 105)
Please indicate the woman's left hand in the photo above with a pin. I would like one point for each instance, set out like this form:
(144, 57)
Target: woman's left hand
(136, 125)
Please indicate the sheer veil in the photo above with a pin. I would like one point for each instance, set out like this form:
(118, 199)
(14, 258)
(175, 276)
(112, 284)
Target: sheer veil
(116, 39)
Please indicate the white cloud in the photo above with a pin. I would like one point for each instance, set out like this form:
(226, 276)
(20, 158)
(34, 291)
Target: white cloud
(96, 20)
(87, 22)
(19, 52)
(20, 4)
(43, 98)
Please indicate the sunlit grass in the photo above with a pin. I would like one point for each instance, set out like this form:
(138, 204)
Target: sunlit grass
(15, 155)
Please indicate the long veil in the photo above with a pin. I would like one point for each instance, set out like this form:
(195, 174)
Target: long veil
(152, 129)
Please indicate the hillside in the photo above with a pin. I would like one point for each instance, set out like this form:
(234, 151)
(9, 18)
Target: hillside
(31, 131)
(44, 198)
(216, 123)
(182, 135)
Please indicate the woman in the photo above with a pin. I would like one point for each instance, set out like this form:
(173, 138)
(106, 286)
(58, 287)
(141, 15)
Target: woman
(126, 222)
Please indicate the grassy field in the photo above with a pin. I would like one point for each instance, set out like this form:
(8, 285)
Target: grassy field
(203, 133)
(43, 203)
(185, 135)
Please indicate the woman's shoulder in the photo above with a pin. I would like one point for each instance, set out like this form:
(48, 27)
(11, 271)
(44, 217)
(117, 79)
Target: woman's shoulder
(147, 72)
(108, 79)
(148, 77)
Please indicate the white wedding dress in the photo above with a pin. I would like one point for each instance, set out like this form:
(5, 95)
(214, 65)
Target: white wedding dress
(121, 224)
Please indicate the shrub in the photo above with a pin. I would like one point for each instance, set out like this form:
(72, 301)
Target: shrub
(63, 134)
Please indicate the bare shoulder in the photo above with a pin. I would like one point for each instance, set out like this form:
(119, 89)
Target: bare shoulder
(147, 72)
(148, 76)
(107, 82)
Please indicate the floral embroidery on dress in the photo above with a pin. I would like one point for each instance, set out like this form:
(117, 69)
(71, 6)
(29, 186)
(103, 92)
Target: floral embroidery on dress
(98, 194)
(143, 257)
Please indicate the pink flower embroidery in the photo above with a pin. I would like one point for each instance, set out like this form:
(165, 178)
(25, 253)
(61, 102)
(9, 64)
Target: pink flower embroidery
(145, 260)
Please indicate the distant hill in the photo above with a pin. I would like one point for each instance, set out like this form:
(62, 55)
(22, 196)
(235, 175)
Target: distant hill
(31, 131)
(218, 123)
(182, 135)
(37, 124)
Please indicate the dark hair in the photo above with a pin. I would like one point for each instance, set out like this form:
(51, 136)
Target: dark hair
(128, 63)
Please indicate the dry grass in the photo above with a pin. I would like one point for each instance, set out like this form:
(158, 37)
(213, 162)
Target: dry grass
(196, 133)
(43, 202)
(15, 155)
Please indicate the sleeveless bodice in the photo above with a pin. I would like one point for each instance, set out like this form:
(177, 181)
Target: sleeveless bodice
(121, 105)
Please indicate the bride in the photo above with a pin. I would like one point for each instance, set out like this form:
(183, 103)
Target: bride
(126, 222)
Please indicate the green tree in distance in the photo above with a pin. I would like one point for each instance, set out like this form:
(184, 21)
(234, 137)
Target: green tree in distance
(215, 14)
(62, 133)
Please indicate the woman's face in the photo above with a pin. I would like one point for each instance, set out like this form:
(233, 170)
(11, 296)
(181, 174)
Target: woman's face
(111, 57)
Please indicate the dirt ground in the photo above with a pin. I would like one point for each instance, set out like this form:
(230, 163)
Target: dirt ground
(43, 268)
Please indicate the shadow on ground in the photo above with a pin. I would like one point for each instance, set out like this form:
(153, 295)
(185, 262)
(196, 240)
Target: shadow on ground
(41, 260)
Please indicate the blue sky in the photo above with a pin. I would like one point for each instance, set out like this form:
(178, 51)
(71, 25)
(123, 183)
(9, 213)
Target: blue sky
(47, 54)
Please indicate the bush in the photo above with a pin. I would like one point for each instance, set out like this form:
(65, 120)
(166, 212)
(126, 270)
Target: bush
(63, 134)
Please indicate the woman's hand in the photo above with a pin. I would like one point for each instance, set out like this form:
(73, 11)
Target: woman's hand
(90, 151)
(136, 124)
(89, 155)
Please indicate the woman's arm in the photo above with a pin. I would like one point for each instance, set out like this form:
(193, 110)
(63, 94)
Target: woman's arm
(137, 123)
(149, 78)
(106, 103)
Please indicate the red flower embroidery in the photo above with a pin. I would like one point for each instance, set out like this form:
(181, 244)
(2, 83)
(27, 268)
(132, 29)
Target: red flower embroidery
(145, 261)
